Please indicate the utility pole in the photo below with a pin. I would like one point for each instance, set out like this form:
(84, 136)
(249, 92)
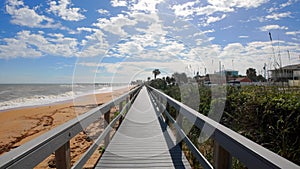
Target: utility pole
(279, 55)
(274, 57)
(265, 69)
(289, 56)
(273, 50)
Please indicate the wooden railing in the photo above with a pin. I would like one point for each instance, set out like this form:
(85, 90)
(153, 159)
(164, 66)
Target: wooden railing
(227, 142)
(58, 139)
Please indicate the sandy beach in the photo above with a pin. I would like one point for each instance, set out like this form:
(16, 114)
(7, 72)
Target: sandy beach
(21, 125)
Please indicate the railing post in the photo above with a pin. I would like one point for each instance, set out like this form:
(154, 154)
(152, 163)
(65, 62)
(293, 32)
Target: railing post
(167, 109)
(127, 101)
(222, 158)
(62, 156)
(107, 121)
(179, 120)
(120, 110)
(159, 103)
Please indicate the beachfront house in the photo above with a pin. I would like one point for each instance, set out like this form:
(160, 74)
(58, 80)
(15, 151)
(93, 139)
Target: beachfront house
(289, 74)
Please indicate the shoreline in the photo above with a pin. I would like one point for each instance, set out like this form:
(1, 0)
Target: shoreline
(63, 101)
(20, 125)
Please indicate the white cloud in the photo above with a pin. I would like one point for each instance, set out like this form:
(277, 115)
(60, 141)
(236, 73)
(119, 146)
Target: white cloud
(231, 50)
(115, 24)
(194, 8)
(237, 3)
(24, 16)
(128, 70)
(94, 44)
(209, 31)
(210, 39)
(189, 9)
(212, 19)
(294, 33)
(277, 16)
(234, 48)
(281, 6)
(145, 40)
(170, 56)
(173, 48)
(271, 27)
(288, 3)
(255, 54)
(117, 3)
(137, 5)
(204, 32)
(63, 9)
(27, 44)
(145, 5)
(103, 11)
(20, 49)
(185, 9)
(227, 27)
(210, 9)
(243, 37)
(141, 47)
(143, 17)
(16, 2)
(96, 49)
(130, 48)
(87, 64)
(80, 29)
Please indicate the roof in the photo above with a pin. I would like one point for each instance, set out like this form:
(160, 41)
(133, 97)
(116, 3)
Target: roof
(243, 79)
(290, 67)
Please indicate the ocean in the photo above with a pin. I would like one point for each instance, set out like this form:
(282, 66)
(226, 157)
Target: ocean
(22, 95)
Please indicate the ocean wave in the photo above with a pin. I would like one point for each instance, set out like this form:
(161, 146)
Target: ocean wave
(5, 91)
(36, 100)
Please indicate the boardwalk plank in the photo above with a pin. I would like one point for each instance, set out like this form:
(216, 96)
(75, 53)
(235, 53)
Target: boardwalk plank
(141, 141)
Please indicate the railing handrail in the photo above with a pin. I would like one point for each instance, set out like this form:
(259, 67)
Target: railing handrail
(180, 134)
(35, 151)
(248, 152)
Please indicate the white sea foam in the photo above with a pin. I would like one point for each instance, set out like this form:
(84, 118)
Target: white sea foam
(35, 100)
(49, 99)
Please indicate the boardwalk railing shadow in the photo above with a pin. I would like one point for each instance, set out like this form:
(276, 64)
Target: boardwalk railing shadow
(174, 148)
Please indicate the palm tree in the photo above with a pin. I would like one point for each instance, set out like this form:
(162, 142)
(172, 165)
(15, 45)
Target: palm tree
(156, 72)
(251, 74)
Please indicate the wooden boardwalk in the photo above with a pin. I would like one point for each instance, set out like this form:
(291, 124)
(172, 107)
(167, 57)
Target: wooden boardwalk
(143, 141)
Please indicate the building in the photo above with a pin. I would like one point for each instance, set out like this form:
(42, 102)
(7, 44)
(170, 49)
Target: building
(290, 74)
(240, 81)
(229, 73)
(217, 79)
(244, 81)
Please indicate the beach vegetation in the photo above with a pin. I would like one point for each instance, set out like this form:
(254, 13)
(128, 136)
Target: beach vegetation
(267, 115)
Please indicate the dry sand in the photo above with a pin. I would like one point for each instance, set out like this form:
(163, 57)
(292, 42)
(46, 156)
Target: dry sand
(19, 126)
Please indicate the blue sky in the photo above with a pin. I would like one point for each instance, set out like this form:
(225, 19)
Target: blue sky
(65, 41)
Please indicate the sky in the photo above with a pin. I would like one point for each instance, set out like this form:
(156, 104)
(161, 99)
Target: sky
(92, 41)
